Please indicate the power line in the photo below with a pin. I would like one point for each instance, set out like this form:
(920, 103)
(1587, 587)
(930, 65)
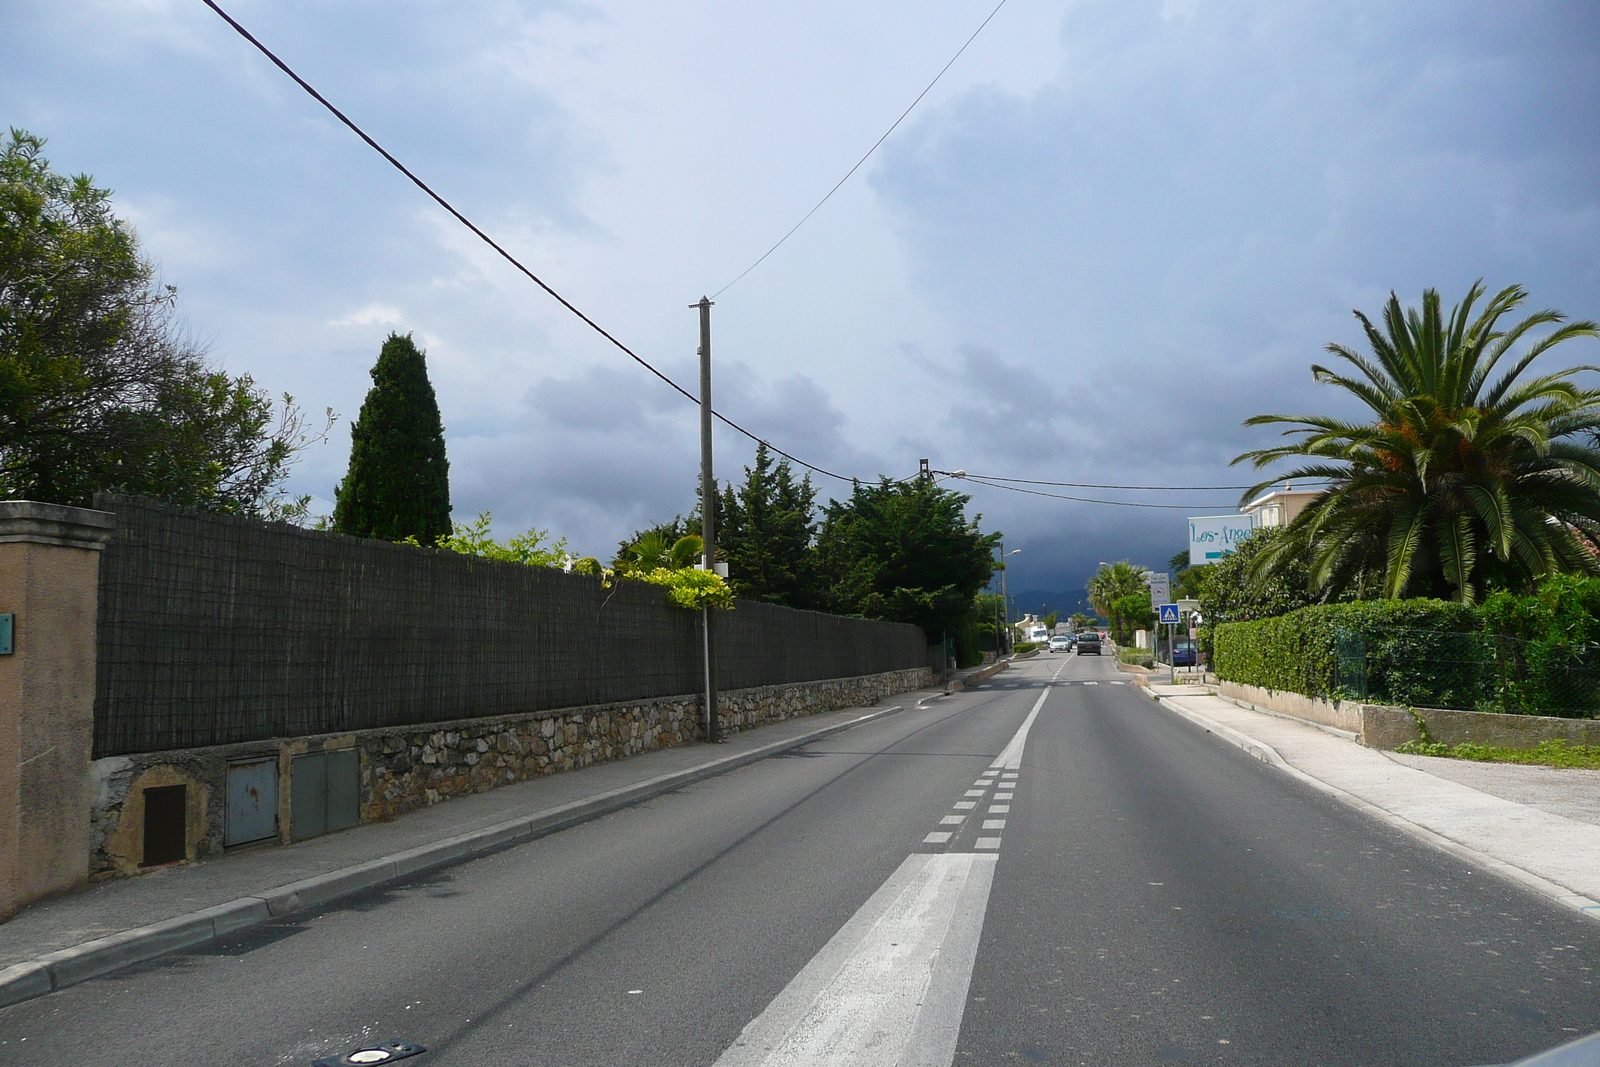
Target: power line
(1087, 500)
(507, 256)
(1094, 485)
(864, 158)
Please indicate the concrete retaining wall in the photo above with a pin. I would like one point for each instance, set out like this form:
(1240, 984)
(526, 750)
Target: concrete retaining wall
(406, 768)
(1383, 726)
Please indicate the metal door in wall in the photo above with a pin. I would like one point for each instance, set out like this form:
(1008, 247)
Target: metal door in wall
(324, 792)
(252, 802)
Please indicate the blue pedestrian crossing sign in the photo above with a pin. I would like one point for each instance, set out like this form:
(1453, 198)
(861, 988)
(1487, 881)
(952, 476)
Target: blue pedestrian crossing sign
(1169, 613)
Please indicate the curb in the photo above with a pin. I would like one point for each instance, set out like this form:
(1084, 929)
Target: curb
(69, 966)
(1267, 754)
(978, 674)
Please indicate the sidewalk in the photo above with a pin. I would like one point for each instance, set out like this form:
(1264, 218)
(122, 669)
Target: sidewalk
(67, 939)
(1538, 826)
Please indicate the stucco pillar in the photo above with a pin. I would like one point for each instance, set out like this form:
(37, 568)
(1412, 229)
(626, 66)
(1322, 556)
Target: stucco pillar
(49, 573)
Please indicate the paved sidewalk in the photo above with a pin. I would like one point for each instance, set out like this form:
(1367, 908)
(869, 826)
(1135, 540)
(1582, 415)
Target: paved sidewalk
(62, 940)
(1538, 826)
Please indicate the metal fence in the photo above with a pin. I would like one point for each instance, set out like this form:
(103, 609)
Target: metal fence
(215, 629)
(1469, 671)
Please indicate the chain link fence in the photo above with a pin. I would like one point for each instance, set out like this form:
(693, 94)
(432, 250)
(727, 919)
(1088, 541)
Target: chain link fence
(215, 629)
(1469, 671)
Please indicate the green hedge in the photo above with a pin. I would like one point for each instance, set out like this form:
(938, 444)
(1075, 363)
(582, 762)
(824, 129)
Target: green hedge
(1300, 652)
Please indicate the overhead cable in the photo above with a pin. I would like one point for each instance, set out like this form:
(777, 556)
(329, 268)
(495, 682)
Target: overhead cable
(486, 239)
(864, 158)
(1082, 499)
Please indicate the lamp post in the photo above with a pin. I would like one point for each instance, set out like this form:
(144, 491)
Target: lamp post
(1005, 599)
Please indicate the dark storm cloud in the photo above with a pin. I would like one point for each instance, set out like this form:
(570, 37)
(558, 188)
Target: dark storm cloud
(1177, 225)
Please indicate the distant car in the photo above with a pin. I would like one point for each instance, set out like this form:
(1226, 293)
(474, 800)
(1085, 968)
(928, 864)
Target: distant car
(1088, 642)
(1184, 653)
(1060, 644)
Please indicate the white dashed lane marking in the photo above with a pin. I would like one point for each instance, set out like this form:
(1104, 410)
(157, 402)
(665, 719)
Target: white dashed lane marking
(952, 820)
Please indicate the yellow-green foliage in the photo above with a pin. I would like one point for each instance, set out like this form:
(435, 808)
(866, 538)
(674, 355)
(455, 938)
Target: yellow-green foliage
(473, 539)
(689, 588)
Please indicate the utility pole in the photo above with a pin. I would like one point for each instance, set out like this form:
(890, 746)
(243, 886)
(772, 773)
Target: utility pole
(708, 521)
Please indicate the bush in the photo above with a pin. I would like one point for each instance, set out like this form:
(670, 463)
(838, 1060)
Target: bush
(1301, 652)
(1025, 646)
(1138, 657)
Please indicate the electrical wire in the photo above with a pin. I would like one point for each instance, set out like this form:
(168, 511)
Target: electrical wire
(864, 158)
(507, 256)
(1087, 500)
(1094, 485)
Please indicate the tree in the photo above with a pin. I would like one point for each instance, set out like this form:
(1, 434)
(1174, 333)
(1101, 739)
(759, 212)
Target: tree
(1080, 621)
(1236, 589)
(1463, 481)
(398, 482)
(99, 387)
(764, 533)
(1129, 613)
(904, 551)
(1115, 581)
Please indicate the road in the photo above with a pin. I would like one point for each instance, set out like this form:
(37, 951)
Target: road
(1130, 891)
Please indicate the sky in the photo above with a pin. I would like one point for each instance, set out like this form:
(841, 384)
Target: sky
(1112, 232)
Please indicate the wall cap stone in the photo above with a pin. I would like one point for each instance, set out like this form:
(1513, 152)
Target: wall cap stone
(55, 524)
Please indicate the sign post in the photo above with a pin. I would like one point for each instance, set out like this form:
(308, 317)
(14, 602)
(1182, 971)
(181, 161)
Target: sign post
(1168, 614)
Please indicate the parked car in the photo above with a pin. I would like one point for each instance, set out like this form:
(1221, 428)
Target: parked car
(1184, 653)
(1088, 641)
(1060, 643)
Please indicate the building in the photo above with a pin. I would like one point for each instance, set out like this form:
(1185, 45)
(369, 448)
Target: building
(1279, 507)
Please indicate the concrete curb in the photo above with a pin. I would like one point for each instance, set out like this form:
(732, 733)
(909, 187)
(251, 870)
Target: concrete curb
(57, 970)
(1267, 754)
(978, 674)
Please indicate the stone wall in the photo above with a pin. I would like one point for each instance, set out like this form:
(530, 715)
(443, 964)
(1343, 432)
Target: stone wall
(403, 769)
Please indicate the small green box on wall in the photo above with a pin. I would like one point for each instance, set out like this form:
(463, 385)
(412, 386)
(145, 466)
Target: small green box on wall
(7, 626)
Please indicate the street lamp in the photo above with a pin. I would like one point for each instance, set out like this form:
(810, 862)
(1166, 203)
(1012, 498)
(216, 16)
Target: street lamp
(1005, 599)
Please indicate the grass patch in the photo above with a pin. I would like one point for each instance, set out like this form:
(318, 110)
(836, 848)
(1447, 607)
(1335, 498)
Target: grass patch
(1553, 753)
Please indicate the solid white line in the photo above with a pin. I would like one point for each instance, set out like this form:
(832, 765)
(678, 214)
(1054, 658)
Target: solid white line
(891, 986)
(1010, 757)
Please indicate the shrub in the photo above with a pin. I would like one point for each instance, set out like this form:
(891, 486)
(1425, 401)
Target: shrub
(1138, 657)
(1301, 652)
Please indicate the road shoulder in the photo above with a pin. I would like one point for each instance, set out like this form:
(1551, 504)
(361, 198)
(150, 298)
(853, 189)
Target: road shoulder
(1542, 850)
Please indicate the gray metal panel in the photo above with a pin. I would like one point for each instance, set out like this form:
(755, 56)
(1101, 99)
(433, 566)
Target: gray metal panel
(308, 796)
(344, 788)
(252, 813)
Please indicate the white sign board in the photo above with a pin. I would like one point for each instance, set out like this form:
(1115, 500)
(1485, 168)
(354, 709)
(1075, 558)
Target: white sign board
(1160, 587)
(1213, 536)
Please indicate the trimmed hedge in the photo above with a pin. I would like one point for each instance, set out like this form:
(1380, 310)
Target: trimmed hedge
(1299, 652)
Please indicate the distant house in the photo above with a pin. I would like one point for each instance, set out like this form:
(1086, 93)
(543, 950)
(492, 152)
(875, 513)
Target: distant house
(1279, 507)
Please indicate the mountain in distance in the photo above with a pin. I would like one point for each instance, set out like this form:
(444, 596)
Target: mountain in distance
(1042, 602)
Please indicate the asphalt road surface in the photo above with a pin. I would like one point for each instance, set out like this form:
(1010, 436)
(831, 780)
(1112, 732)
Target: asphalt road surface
(1047, 869)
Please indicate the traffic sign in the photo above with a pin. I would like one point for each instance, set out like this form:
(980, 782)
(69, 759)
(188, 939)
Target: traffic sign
(1160, 586)
(1169, 614)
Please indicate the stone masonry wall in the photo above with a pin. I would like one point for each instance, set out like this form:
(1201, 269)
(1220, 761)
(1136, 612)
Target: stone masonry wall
(402, 771)
(406, 768)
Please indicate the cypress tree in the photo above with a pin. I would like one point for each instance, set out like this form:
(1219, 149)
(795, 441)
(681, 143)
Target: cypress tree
(398, 484)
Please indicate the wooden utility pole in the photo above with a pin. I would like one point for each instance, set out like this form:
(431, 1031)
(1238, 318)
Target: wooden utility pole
(708, 522)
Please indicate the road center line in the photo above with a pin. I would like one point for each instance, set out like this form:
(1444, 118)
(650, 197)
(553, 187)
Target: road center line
(889, 989)
(1010, 757)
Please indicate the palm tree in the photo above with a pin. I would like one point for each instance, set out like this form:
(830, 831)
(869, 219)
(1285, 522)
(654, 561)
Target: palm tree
(1463, 481)
(1114, 581)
